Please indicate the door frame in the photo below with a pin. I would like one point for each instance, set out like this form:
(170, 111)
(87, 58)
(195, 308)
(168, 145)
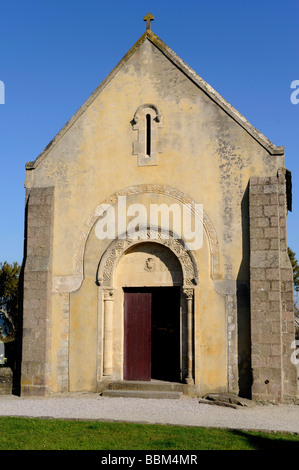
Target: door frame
(179, 323)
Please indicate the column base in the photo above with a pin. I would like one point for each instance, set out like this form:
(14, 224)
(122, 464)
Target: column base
(189, 381)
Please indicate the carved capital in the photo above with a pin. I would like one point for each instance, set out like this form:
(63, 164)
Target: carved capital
(108, 294)
(188, 293)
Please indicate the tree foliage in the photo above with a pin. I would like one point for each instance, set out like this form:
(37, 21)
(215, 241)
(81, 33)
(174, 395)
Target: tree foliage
(295, 267)
(9, 299)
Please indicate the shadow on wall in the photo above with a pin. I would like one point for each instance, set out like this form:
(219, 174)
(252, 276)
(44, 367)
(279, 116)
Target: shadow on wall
(16, 386)
(243, 305)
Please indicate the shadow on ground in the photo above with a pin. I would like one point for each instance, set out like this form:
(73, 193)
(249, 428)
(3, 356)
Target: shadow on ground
(263, 442)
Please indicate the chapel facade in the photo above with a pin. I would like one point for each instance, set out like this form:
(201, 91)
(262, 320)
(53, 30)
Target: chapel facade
(116, 288)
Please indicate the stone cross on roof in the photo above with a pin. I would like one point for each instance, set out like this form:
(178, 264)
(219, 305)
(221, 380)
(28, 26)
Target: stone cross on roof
(148, 18)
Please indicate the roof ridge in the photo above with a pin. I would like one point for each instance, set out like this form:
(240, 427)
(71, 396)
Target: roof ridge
(192, 75)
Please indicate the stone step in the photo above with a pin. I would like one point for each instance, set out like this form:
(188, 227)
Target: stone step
(153, 385)
(153, 394)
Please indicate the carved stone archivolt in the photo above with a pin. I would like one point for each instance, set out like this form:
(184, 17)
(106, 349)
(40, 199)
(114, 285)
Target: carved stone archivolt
(155, 189)
(117, 248)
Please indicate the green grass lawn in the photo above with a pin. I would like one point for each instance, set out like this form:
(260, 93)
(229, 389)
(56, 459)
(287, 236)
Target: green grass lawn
(52, 434)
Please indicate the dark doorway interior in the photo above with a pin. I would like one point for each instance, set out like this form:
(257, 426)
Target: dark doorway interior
(165, 332)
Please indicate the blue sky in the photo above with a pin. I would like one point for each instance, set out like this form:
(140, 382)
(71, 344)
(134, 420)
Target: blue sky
(55, 53)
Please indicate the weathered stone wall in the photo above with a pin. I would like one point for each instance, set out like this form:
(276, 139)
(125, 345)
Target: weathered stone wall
(6, 380)
(35, 373)
(271, 290)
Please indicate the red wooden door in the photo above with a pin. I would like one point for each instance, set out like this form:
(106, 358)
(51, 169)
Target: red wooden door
(137, 336)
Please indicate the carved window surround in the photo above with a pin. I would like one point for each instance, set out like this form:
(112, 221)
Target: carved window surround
(147, 121)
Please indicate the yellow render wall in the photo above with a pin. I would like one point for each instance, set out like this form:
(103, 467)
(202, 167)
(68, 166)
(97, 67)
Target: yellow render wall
(206, 155)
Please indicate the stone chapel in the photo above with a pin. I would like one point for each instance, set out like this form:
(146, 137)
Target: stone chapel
(109, 297)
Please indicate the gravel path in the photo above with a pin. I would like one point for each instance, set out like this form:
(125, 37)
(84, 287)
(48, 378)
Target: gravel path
(186, 411)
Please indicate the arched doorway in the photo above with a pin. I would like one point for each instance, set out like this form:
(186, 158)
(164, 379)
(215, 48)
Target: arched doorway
(148, 288)
(151, 278)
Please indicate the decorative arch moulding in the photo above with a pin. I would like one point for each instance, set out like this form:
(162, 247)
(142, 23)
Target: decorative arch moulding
(73, 282)
(143, 108)
(113, 254)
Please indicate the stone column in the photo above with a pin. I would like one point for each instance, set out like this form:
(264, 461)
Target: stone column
(189, 297)
(108, 333)
(271, 292)
(227, 288)
(37, 292)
